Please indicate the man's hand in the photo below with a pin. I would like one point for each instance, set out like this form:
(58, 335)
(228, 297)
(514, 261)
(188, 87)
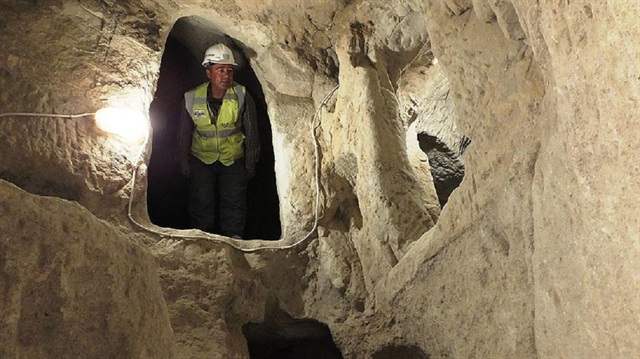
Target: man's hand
(184, 169)
(250, 173)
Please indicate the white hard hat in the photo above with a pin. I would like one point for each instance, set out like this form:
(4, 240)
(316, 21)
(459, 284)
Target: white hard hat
(218, 54)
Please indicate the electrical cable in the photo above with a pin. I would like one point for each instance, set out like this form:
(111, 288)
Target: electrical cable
(209, 237)
(28, 114)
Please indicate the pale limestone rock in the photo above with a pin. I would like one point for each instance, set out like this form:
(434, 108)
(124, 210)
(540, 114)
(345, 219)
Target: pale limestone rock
(424, 95)
(507, 18)
(586, 224)
(74, 286)
(483, 10)
(534, 256)
(283, 74)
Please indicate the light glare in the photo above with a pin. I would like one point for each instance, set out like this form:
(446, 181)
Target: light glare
(128, 124)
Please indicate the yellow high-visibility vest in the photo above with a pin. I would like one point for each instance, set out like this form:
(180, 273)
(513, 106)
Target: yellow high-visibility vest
(220, 140)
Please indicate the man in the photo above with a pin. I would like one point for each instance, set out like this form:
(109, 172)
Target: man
(219, 146)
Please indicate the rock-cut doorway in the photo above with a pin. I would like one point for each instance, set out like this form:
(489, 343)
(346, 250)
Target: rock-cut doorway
(180, 71)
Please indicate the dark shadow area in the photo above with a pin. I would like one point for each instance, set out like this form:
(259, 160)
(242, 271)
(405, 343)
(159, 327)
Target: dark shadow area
(181, 71)
(446, 168)
(290, 339)
(263, 208)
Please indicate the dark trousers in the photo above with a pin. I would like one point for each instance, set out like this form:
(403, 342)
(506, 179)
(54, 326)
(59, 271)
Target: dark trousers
(218, 186)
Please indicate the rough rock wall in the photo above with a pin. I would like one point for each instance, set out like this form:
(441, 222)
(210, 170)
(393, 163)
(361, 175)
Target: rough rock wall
(71, 57)
(495, 277)
(429, 112)
(73, 286)
(486, 227)
(527, 218)
(585, 221)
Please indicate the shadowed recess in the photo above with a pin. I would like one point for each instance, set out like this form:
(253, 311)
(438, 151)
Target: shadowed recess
(290, 339)
(180, 71)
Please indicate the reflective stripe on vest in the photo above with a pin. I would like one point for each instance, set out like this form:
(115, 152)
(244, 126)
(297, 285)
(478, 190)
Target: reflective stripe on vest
(223, 140)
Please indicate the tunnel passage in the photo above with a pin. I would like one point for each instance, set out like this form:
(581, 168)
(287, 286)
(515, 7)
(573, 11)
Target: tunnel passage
(181, 71)
(290, 339)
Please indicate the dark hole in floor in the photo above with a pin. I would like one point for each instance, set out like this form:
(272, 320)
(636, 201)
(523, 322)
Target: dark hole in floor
(167, 189)
(293, 339)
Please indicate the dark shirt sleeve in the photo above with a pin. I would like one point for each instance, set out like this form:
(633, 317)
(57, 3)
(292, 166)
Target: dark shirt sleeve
(185, 133)
(251, 134)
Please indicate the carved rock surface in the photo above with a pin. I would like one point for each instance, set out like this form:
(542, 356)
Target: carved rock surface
(534, 256)
(74, 286)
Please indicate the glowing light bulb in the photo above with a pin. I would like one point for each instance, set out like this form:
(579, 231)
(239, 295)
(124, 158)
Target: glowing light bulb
(128, 124)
